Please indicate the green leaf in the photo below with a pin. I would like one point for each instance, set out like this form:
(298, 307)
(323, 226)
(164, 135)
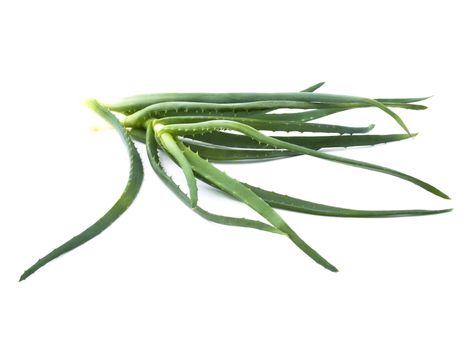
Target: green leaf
(204, 109)
(402, 100)
(299, 116)
(171, 147)
(129, 194)
(244, 194)
(322, 112)
(313, 88)
(281, 201)
(274, 125)
(136, 103)
(188, 129)
(313, 142)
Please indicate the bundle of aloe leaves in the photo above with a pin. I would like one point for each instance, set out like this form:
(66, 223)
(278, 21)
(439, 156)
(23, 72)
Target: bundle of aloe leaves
(198, 129)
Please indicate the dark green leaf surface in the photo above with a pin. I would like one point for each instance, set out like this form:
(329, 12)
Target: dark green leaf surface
(313, 142)
(274, 125)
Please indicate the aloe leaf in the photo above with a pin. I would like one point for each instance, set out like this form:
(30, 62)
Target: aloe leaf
(299, 116)
(308, 115)
(281, 201)
(135, 103)
(313, 142)
(210, 151)
(403, 105)
(155, 162)
(402, 100)
(244, 194)
(273, 125)
(184, 129)
(320, 113)
(384, 100)
(129, 194)
(218, 154)
(306, 127)
(171, 147)
(247, 110)
(394, 115)
(218, 138)
(140, 117)
(247, 113)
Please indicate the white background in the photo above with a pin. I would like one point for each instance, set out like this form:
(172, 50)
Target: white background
(163, 278)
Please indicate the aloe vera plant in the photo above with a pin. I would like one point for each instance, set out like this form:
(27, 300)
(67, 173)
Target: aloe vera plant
(195, 130)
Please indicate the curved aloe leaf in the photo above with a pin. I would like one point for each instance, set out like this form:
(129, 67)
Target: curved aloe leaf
(308, 89)
(281, 201)
(129, 194)
(184, 129)
(247, 196)
(171, 147)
